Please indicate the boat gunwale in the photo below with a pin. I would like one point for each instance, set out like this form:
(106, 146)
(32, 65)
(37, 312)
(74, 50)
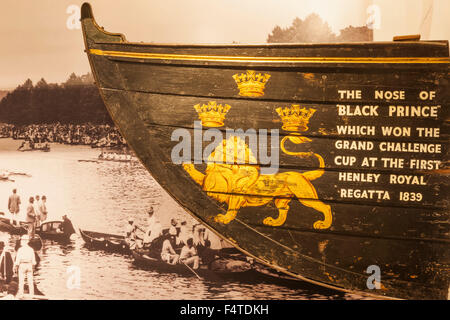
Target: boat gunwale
(107, 236)
(299, 45)
(269, 59)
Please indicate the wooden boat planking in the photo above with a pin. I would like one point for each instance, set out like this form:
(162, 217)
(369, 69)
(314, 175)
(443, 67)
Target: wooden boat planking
(407, 240)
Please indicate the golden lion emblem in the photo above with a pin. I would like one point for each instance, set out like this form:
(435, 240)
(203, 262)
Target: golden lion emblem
(241, 185)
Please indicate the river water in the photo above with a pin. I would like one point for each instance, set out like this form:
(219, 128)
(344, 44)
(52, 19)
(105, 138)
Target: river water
(100, 197)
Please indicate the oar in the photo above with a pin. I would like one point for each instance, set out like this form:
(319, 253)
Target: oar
(192, 270)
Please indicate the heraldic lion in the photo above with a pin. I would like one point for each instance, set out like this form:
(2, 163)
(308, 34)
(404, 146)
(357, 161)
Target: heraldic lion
(233, 177)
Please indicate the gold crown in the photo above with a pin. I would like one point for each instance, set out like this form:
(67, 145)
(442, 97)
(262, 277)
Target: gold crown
(212, 114)
(294, 118)
(251, 84)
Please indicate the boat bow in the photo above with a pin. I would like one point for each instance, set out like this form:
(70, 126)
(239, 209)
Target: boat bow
(328, 214)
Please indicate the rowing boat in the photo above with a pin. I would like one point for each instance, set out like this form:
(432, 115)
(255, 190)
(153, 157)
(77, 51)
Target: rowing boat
(6, 226)
(54, 231)
(225, 269)
(45, 148)
(49, 230)
(105, 241)
(109, 242)
(327, 162)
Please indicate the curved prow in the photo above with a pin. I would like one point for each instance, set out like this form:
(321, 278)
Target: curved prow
(86, 11)
(93, 32)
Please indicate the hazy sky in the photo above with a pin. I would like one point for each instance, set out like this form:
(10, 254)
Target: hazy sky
(37, 41)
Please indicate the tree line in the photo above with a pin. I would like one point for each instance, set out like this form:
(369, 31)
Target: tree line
(75, 101)
(314, 30)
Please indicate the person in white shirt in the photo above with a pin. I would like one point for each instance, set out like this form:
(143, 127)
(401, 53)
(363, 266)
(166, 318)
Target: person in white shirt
(24, 264)
(216, 243)
(184, 234)
(43, 209)
(131, 228)
(189, 255)
(151, 217)
(31, 218)
(148, 230)
(37, 211)
(154, 228)
(152, 233)
(173, 227)
(131, 235)
(168, 254)
(198, 232)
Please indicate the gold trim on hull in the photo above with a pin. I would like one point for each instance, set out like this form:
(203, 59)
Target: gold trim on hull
(189, 57)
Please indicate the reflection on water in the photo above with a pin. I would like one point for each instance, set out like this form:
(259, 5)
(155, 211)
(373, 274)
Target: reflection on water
(100, 197)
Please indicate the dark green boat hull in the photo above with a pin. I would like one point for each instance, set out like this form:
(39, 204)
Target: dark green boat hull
(150, 90)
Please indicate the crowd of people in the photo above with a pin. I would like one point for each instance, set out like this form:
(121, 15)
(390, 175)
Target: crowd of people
(18, 264)
(36, 211)
(100, 135)
(25, 259)
(6, 130)
(181, 245)
(178, 244)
